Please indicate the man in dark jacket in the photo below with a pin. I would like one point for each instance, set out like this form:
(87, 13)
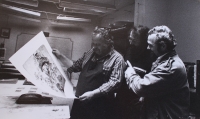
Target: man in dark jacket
(128, 103)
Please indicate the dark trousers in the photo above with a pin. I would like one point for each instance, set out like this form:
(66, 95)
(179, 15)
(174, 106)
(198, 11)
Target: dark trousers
(99, 108)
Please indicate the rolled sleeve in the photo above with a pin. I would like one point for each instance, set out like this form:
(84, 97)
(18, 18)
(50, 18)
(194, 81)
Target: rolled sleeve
(77, 65)
(115, 77)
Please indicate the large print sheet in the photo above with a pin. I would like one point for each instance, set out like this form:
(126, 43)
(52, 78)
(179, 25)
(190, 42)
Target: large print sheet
(37, 63)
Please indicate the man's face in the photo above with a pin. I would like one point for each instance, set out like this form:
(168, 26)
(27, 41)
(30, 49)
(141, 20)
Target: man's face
(45, 68)
(134, 38)
(152, 44)
(99, 45)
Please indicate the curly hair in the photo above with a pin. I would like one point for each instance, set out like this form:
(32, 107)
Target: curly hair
(142, 32)
(104, 33)
(163, 33)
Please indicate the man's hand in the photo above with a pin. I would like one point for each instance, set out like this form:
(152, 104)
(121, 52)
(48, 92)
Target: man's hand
(129, 72)
(56, 53)
(64, 60)
(87, 96)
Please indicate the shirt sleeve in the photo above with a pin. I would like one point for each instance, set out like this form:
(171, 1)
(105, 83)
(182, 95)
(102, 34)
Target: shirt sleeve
(115, 77)
(77, 65)
(158, 82)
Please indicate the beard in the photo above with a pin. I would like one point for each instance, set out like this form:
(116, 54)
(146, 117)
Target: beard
(153, 56)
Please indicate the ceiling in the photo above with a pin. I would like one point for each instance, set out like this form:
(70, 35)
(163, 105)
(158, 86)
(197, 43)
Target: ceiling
(62, 10)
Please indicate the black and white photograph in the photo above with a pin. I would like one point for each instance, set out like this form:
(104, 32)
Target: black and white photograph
(103, 59)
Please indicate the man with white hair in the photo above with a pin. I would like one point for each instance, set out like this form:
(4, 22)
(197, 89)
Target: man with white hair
(165, 89)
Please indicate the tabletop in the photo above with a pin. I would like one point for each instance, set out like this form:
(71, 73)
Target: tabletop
(9, 93)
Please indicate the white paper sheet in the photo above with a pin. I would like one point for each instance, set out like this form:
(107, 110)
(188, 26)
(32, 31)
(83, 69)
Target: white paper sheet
(37, 63)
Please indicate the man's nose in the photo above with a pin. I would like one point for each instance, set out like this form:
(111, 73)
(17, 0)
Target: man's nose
(148, 47)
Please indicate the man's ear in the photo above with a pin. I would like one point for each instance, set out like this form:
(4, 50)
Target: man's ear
(106, 45)
(163, 45)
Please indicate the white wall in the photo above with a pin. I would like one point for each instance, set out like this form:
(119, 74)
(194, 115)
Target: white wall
(79, 34)
(185, 23)
(151, 13)
(181, 16)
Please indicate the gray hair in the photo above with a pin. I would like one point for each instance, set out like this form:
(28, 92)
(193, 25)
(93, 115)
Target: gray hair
(163, 33)
(104, 33)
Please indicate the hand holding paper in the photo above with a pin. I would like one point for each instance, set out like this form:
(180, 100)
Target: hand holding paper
(56, 53)
(37, 63)
(129, 71)
(63, 59)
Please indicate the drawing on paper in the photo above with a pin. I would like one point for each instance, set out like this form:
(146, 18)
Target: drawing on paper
(41, 66)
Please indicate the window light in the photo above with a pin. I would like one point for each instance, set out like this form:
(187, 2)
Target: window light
(20, 10)
(72, 18)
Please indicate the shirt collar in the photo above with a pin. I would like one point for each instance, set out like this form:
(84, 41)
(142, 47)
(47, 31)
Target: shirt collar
(111, 52)
(107, 55)
(166, 55)
(160, 57)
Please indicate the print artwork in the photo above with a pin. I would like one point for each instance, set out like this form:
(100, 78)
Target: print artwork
(40, 65)
(36, 62)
